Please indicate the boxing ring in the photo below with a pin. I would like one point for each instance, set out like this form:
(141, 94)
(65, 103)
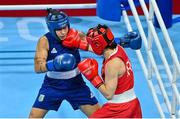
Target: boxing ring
(157, 59)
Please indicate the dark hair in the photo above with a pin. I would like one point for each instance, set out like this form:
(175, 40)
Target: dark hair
(52, 11)
(112, 46)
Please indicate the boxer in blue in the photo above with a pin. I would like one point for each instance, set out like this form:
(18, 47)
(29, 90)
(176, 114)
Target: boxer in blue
(62, 80)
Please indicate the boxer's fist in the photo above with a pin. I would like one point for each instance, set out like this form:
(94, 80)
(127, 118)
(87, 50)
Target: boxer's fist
(89, 68)
(73, 40)
(61, 62)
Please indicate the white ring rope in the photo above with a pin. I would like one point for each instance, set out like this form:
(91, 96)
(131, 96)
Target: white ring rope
(43, 7)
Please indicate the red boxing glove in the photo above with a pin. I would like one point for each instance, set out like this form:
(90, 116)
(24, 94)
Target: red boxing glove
(89, 68)
(73, 40)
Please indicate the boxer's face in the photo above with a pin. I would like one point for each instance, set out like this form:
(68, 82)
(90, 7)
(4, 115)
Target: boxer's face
(62, 33)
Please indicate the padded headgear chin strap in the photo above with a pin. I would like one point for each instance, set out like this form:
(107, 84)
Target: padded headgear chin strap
(99, 38)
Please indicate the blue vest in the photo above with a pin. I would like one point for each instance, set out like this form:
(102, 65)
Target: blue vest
(55, 49)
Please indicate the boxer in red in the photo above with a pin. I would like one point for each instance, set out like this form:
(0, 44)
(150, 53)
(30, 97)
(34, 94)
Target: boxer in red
(117, 82)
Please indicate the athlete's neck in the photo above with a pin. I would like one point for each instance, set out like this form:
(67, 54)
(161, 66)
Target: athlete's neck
(108, 52)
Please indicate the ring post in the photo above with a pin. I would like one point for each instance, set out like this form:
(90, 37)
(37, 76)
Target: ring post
(165, 7)
(109, 9)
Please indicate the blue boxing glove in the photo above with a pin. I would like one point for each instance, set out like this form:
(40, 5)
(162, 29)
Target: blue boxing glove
(131, 40)
(63, 62)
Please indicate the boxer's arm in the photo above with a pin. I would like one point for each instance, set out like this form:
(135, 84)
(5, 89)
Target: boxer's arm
(41, 55)
(76, 39)
(111, 77)
(83, 38)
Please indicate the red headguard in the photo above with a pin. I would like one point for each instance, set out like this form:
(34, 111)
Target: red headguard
(99, 38)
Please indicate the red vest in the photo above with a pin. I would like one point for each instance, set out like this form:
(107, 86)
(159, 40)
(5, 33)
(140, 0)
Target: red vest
(126, 81)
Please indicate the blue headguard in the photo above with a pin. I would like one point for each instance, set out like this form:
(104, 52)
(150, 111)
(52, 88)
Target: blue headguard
(56, 20)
